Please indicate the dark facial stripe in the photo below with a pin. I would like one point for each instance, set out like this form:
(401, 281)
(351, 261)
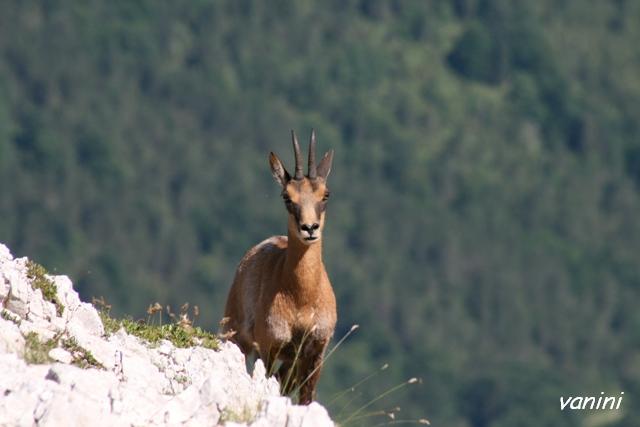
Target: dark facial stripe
(320, 207)
(294, 209)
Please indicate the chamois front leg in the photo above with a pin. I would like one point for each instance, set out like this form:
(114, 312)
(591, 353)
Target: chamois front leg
(270, 359)
(286, 372)
(309, 372)
(286, 377)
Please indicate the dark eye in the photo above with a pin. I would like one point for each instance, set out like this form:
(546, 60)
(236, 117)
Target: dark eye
(286, 198)
(326, 196)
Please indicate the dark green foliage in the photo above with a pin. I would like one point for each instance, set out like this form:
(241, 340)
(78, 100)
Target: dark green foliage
(485, 183)
(510, 394)
(476, 55)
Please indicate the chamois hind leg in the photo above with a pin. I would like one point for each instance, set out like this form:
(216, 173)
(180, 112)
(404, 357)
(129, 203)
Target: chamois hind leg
(245, 347)
(238, 338)
(309, 372)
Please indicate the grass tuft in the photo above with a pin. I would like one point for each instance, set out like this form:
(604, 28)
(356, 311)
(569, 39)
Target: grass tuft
(182, 379)
(246, 414)
(359, 415)
(36, 352)
(39, 280)
(181, 333)
(9, 316)
(81, 357)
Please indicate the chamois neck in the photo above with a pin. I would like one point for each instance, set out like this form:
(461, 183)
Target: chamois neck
(304, 262)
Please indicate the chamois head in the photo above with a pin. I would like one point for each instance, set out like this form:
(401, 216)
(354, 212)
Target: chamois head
(304, 196)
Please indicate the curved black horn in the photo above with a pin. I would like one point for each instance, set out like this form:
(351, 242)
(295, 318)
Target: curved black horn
(312, 155)
(296, 151)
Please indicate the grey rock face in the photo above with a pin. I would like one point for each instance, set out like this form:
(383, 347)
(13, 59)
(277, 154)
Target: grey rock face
(140, 385)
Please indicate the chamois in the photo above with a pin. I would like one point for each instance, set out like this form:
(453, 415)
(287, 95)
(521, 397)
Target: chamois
(281, 302)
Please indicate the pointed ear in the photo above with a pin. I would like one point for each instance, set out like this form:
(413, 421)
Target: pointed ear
(324, 167)
(278, 171)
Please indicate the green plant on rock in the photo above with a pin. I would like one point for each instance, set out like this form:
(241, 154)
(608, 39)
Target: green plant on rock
(81, 357)
(9, 316)
(181, 332)
(182, 379)
(39, 280)
(245, 414)
(36, 352)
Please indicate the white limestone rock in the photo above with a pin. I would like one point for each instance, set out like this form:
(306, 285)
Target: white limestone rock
(11, 340)
(140, 385)
(60, 355)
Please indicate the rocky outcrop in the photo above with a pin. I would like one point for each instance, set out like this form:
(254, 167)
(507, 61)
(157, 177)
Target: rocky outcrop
(77, 375)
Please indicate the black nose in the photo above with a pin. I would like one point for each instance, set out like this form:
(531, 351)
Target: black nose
(310, 228)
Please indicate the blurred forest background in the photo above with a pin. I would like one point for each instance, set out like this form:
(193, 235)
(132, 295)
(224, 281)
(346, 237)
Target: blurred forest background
(483, 228)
